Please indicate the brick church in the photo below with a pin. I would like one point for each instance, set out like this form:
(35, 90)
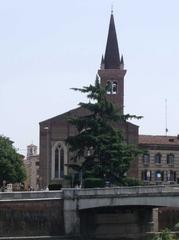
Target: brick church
(159, 165)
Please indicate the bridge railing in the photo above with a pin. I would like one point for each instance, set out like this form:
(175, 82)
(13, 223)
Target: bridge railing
(31, 195)
(66, 193)
(119, 191)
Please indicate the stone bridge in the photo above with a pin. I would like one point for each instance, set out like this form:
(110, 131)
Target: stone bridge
(76, 200)
(71, 204)
(119, 196)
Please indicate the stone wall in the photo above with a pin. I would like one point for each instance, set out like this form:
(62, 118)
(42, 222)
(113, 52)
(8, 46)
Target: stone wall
(168, 217)
(31, 218)
(116, 223)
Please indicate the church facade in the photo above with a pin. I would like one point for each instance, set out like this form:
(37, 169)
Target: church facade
(54, 153)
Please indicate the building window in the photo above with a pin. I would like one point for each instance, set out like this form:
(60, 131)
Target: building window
(61, 162)
(59, 159)
(56, 163)
(158, 158)
(146, 159)
(171, 176)
(159, 176)
(114, 87)
(146, 175)
(170, 159)
(109, 87)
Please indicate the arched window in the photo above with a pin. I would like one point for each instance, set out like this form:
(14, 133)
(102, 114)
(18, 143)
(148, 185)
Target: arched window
(158, 158)
(170, 159)
(56, 162)
(146, 159)
(59, 159)
(146, 175)
(171, 176)
(114, 87)
(61, 162)
(109, 87)
(159, 176)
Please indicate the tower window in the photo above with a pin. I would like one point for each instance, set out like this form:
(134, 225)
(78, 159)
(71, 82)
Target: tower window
(114, 87)
(109, 87)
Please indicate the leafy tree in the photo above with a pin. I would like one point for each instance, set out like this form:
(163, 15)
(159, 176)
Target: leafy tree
(11, 165)
(99, 147)
(165, 235)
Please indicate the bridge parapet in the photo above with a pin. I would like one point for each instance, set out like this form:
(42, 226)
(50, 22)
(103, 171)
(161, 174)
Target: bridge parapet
(71, 193)
(33, 195)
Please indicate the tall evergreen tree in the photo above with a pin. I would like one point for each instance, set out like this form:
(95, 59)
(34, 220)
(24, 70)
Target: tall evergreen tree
(99, 147)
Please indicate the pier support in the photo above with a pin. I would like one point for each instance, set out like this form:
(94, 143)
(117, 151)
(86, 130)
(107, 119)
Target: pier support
(71, 214)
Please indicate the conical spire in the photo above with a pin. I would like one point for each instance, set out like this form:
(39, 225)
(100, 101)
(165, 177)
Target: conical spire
(112, 57)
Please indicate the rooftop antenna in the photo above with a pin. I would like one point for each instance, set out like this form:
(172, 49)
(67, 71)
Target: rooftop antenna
(166, 116)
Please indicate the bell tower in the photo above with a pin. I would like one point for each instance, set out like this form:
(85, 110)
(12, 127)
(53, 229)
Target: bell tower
(112, 70)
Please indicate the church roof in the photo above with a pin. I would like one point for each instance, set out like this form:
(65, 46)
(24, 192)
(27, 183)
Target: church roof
(79, 111)
(112, 57)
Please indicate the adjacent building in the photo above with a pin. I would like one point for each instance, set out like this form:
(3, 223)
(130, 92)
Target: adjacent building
(32, 168)
(159, 164)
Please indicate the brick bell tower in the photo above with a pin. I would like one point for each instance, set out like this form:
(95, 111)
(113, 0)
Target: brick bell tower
(112, 70)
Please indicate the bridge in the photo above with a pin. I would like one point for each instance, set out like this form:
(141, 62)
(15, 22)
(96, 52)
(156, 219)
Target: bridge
(155, 196)
(76, 200)
(71, 204)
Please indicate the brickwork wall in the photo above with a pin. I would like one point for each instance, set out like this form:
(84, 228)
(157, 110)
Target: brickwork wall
(31, 218)
(59, 129)
(167, 218)
(118, 76)
(116, 223)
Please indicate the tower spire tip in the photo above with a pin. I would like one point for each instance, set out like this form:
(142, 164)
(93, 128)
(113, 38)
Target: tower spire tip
(112, 9)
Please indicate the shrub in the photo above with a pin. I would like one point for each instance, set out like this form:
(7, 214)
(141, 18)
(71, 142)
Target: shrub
(165, 235)
(176, 227)
(55, 186)
(93, 182)
(131, 182)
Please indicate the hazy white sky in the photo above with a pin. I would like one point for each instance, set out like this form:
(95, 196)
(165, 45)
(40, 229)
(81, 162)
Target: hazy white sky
(49, 46)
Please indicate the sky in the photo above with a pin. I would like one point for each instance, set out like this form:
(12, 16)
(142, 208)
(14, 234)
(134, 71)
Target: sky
(50, 46)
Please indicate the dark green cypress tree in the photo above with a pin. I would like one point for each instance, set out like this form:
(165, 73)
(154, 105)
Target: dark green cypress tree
(99, 147)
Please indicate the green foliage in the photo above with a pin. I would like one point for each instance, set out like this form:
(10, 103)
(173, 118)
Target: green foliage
(176, 227)
(94, 183)
(99, 142)
(55, 186)
(165, 235)
(131, 182)
(11, 166)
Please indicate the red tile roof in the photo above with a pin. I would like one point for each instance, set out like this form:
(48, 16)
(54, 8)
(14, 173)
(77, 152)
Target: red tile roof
(158, 140)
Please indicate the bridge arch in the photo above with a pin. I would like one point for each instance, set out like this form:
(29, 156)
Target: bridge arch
(154, 201)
